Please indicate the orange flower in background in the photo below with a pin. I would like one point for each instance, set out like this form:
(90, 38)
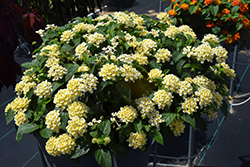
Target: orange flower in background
(229, 40)
(219, 15)
(240, 16)
(207, 2)
(193, 2)
(198, 11)
(246, 23)
(225, 11)
(243, 7)
(185, 6)
(210, 24)
(176, 5)
(172, 13)
(172, 1)
(224, 32)
(235, 2)
(219, 23)
(236, 36)
(217, 2)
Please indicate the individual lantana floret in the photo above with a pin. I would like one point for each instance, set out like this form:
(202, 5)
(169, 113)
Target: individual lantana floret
(83, 68)
(53, 121)
(185, 88)
(43, 89)
(57, 72)
(137, 140)
(65, 143)
(205, 96)
(20, 118)
(129, 73)
(163, 55)
(67, 36)
(171, 82)
(190, 106)
(177, 126)
(127, 114)
(162, 98)
(51, 146)
(89, 82)
(77, 126)
(154, 74)
(109, 72)
(77, 109)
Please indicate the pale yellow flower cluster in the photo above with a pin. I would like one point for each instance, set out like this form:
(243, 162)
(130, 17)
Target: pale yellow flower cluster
(96, 38)
(51, 27)
(171, 82)
(64, 144)
(154, 33)
(185, 88)
(83, 68)
(227, 70)
(43, 89)
(109, 50)
(126, 58)
(82, 49)
(129, 73)
(164, 18)
(76, 126)
(53, 121)
(141, 59)
(50, 50)
(177, 126)
(211, 115)
(147, 46)
(40, 32)
(154, 74)
(89, 82)
(57, 72)
(77, 109)
(155, 119)
(84, 27)
(185, 29)
(137, 140)
(52, 61)
(204, 53)
(217, 97)
(24, 87)
(67, 36)
(162, 98)
(210, 38)
(114, 41)
(221, 54)
(75, 86)
(63, 98)
(18, 104)
(109, 72)
(203, 81)
(172, 31)
(104, 17)
(190, 106)
(205, 96)
(123, 18)
(137, 20)
(127, 114)
(20, 118)
(163, 55)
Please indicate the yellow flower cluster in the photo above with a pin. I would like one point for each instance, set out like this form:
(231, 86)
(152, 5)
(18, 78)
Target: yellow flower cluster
(84, 27)
(147, 45)
(18, 104)
(96, 38)
(82, 49)
(43, 89)
(204, 53)
(57, 72)
(217, 98)
(171, 82)
(163, 55)
(131, 40)
(227, 70)
(141, 59)
(114, 40)
(63, 98)
(75, 86)
(185, 29)
(109, 71)
(155, 119)
(123, 18)
(162, 98)
(137, 140)
(50, 50)
(126, 58)
(210, 38)
(24, 87)
(205, 96)
(83, 68)
(20, 118)
(127, 114)
(51, 147)
(185, 88)
(164, 18)
(154, 33)
(51, 26)
(65, 143)
(153, 74)
(53, 121)
(172, 31)
(40, 32)
(77, 109)
(137, 20)
(190, 105)
(76, 126)
(144, 105)
(89, 82)
(109, 50)
(177, 126)
(52, 61)
(203, 81)
(129, 73)
(221, 54)
(211, 115)
(67, 36)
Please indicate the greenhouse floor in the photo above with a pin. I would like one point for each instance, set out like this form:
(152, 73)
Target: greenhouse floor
(230, 149)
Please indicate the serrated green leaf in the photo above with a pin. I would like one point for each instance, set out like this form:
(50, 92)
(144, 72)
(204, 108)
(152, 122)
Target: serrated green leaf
(80, 151)
(25, 128)
(168, 117)
(105, 127)
(27, 65)
(214, 9)
(71, 70)
(193, 8)
(179, 65)
(46, 133)
(103, 157)
(66, 48)
(94, 134)
(189, 119)
(156, 135)
(9, 116)
(64, 118)
(125, 131)
(138, 125)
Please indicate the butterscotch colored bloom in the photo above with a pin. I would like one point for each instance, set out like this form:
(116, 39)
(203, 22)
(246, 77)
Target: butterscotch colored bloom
(244, 7)
(235, 2)
(225, 32)
(225, 11)
(217, 2)
(172, 13)
(172, 1)
(236, 36)
(185, 6)
(229, 40)
(210, 24)
(246, 23)
(208, 2)
(193, 2)
(198, 11)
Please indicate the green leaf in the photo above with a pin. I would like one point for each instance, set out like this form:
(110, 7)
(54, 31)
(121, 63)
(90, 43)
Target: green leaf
(30, 93)
(105, 127)
(118, 149)
(214, 9)
(180, 64)
(66, 48)
(94, 134)
(234, 9)
(154, 64)
(187, 118)
(126, 45)
(80, 151)
(168, 117)
(223, 108)
(125, 131)
(216, 30)
(25, 128)
(103, 157)
(239, 25)
(51, 34)
(193, 8)
(27, 65)
(46, 133)
(55, 86)
(124, 91)
(9, 116)
(201, 124)
(187, 65)
(156, 135)
(77, 41)
(71, 70)
(64, 118)
(138, 125)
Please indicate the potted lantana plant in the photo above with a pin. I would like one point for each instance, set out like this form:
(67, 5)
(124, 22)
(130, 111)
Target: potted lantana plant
(228, 19)
(102, 87)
